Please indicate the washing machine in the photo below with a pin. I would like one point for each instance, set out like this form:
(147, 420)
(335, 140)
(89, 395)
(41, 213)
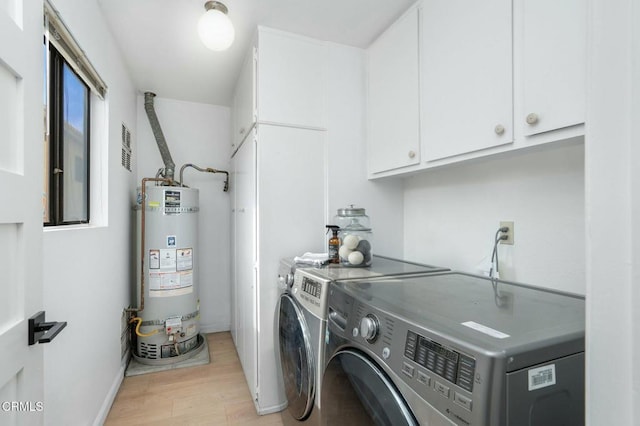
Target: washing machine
(453, 349)
(302, 324)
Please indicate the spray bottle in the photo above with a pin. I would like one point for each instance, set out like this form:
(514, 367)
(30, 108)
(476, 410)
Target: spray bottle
(334, 244)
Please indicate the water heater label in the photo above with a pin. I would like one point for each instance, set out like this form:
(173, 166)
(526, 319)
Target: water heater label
(171, 201)
(168, 284)
(154, 259)
(185, 259)
(168, 259)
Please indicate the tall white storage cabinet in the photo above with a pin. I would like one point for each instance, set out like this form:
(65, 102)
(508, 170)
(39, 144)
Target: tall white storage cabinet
(279, 196)
(279, 211)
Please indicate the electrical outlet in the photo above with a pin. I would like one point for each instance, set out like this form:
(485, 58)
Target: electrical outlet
(509, 233)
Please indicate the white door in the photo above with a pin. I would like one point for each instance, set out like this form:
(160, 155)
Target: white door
(466, 76)
(21, 141)
(394, 110)
(554, 64)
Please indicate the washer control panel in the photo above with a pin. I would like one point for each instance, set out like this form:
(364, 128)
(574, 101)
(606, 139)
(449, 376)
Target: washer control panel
(447, 363)
(440, 372)
(311, 292)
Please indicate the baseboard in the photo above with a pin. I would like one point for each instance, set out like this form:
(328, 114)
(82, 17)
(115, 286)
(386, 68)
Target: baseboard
(269, 410)
(111, 395)
(214, 328)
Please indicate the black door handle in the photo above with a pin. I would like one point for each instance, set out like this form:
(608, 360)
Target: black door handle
(41, 331)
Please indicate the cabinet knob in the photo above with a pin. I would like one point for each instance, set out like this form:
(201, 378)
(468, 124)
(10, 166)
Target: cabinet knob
(532, 118)
(412, 154)
(499, 129)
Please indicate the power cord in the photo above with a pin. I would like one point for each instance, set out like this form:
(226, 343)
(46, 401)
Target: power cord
(500, 235)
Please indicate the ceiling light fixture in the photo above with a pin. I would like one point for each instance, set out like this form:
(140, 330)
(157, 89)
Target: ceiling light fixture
(215, 28)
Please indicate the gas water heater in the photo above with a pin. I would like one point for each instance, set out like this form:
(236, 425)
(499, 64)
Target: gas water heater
(164, 327)
(168, 326)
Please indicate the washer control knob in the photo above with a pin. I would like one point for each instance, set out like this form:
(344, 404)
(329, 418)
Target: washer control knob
(288, 281)
(369, 328)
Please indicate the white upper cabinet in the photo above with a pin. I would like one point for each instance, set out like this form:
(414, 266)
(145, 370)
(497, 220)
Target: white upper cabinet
(243, 109)
(393, 98)
(466, 76)
(554, 46)
(246, 102)
(291, 79)
(494, 76)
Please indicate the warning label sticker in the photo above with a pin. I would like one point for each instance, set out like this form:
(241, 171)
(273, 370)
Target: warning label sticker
(486, 330)
(167, 284)
(168, 259)
(185, 259)
(154, 259)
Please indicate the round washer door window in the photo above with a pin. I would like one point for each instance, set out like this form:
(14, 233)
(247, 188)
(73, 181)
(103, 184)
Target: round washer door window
(355, 391)
(296, 357)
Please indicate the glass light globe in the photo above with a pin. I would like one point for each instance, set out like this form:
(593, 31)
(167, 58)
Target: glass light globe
(216, 30)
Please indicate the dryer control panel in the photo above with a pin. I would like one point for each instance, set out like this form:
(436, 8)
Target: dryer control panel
(311, 293)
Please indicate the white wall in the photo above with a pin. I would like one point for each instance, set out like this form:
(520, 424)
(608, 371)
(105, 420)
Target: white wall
(346, 168)
(452, 214)
(199, 134)
(613, 214)
(86, 269)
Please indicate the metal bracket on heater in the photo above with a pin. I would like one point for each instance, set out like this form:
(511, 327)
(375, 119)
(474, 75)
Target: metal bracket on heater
(43, 332)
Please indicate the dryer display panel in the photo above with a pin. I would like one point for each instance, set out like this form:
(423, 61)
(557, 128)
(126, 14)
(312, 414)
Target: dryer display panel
(452, 365)
(311, 287)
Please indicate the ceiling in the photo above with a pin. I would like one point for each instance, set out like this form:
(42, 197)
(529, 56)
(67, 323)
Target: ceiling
(160, 44)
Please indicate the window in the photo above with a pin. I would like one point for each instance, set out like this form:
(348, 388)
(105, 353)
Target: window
(71, 85)
(67, 174)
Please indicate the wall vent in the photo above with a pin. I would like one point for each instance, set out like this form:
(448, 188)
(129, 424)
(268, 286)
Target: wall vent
(126, 147)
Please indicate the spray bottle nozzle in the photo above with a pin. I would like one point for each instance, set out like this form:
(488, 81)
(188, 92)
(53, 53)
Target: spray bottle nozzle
(332, 228)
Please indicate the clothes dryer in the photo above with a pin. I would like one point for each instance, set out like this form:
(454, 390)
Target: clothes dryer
(302, 325)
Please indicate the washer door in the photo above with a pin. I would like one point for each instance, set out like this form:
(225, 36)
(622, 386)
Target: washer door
(355, 391)
(296, 357)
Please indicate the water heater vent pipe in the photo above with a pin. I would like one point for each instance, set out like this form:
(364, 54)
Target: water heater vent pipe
(169, 165)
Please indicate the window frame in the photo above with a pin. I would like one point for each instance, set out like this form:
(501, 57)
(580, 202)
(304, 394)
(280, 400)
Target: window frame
(55, 111)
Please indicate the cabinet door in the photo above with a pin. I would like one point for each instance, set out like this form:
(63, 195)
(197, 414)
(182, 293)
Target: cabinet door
(554, 64)
(291, 79)
(393, 97)
(235, 142)
(291, 217)
(466, 76)
(246, 95)
(245, 260)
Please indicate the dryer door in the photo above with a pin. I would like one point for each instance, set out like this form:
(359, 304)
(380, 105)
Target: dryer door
(296, 357)
(355, 391)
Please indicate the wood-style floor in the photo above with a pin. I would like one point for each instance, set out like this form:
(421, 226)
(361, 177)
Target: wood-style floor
(212, 394)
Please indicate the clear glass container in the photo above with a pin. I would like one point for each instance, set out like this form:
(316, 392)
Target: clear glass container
(355, 237)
